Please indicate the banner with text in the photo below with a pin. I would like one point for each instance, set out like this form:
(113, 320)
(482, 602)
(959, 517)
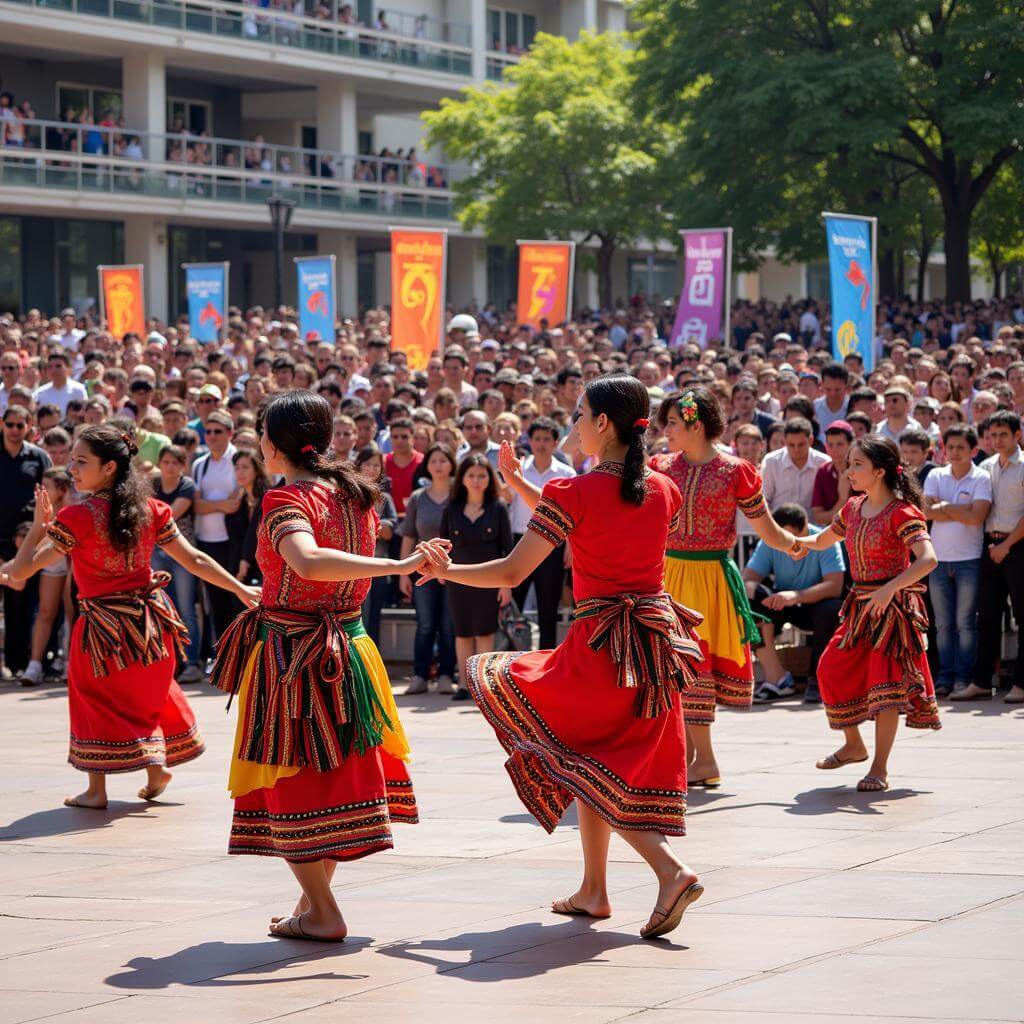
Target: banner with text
(316, 297)
(851, 264)
(206, 286)
(545, 282)
(702, 299)
(122, 300)
(418, 260)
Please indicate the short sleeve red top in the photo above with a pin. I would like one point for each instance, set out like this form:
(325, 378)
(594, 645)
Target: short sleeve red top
(334, 521)
(711, 494)
(401, 478)
(617, 547)
(879, 547)
(83, 532)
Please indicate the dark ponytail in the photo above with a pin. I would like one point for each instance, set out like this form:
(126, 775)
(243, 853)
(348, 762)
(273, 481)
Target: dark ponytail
(115, 442)
(624, 400)
(898, 477)
(299, 424)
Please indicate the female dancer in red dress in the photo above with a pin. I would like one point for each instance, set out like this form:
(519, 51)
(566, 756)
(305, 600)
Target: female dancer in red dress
(876, 667)
(699, 569)
(127, 712)
(317, 773)
(598, 720)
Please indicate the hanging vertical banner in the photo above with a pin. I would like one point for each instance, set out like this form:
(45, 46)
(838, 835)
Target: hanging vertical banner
(707, 275)
(122, 300)
(316, 297)
(852, 276)
(206, 287)
(545, 282)
(418, 263)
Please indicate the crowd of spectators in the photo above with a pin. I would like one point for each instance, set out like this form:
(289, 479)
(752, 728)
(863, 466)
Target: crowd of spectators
(947, 387)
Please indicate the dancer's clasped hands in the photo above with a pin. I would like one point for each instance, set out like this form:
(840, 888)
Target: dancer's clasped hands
(430, 558)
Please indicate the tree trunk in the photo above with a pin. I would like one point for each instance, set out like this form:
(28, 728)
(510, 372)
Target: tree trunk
(956, 242)
(995, 267)
(604, 272)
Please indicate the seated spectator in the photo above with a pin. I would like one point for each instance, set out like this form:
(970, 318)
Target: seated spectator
(805, 594)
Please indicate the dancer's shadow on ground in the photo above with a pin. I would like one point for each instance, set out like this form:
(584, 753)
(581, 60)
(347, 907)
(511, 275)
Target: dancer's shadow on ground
(193, 965)
(62, 821)
(588, 946)
(846, 800)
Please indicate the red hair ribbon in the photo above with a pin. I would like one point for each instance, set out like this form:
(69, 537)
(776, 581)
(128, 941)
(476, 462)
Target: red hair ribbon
(308, 448)
(642, 422)
(899, 472)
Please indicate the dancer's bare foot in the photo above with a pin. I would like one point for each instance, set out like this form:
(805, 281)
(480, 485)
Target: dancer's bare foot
(313, 926)
(675, 893)
(157, 780)
(300, 908)
(581, 904)
(91, 799)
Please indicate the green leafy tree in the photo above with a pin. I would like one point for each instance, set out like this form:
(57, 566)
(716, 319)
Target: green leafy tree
(556, 151)
(785, 98)
(999, 223)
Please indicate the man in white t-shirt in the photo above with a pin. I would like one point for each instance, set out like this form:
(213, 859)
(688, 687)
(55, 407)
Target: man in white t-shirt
(957, 498)
(61, 389)
(217, 495)
(69, 335)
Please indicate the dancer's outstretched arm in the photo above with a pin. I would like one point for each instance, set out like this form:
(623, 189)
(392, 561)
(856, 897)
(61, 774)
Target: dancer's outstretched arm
(200, 564)
(312, 562)
(772, 534)
(509, 571)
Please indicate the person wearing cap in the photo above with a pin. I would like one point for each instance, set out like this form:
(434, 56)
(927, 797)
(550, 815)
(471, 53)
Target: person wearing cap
(210, 398)
(460, 327)
(61, 388)
(897, 414)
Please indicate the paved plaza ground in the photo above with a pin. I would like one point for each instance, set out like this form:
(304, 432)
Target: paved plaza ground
(822, 905)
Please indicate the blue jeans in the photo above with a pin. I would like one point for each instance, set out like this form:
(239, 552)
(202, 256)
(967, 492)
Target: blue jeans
(433, 619)
(954, 591)
(182, 591)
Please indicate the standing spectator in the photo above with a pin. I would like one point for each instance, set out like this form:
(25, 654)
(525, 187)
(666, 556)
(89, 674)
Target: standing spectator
(69, 335)
(1002, 559)
(476, 521)
(343, 437)
(217, 496)
(744, 408)
(253, 482)
(61, 388)
(477, 431)
(22, 466)
(547, 579)
(402, 463)
(172, 486)
(957, 498)
(916, 451)
(897, 414)
(835, 396)
(788, 474)
(831, 483)
(423, 514)
(370, 462)
(805, 594)
(454, 369)
(10, 374)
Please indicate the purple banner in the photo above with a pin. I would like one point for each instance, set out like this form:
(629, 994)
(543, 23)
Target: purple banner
(699, 314)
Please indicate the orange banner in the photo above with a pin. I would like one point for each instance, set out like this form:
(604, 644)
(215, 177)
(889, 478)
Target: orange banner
(122, 300)
(545, 282)
(417, 293)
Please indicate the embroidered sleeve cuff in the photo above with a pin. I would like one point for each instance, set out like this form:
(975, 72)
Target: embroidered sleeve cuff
(754, 506)
(551, 522)
(283, 521)
(912, 532)
(61, 537)
(168, 533)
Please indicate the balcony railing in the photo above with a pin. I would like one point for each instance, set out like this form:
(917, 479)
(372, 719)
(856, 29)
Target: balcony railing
(409, 40)
(101, 159)
(497, 62)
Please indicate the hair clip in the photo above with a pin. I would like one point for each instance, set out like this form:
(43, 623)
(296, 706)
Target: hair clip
(688, 410)
(642, 422)
(308, 448)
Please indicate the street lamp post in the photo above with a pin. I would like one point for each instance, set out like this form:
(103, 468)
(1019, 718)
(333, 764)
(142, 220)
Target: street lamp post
(280, 217)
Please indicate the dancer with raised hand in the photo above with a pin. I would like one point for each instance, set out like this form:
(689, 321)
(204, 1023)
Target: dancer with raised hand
(318, 771)
(127, 712)
(699, 569)
(876, 667)
(598, 720)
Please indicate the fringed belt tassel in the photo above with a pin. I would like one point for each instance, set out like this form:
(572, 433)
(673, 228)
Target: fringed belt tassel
(307, 706)
(128, 629)
(652, 642)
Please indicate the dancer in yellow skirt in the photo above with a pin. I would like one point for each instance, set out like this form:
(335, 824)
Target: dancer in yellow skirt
(699, 569)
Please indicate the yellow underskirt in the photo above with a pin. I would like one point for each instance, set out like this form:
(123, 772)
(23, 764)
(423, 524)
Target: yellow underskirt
(245, 776)
(702, 586)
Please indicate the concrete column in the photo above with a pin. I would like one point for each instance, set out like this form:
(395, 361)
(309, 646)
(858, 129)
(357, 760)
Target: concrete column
(144, 88)
(336, 126)
(578, 15)
(343, 245)
(474, 14)
(467, 272)
(145, 242)
(587, 293)
(382, 277)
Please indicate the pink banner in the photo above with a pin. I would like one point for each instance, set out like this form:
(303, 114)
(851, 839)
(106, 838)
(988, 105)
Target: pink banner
(699, 315)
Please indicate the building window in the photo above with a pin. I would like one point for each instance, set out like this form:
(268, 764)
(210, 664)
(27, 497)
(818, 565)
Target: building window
(192, 116)
(818, 280)
(101, 104)
(654, 277)
(510, 31)
(502, 275)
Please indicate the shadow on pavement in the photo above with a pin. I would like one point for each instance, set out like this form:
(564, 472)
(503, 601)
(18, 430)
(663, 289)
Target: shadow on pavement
(59, 821)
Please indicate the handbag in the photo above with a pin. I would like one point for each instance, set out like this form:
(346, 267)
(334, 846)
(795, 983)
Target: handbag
(515, 628)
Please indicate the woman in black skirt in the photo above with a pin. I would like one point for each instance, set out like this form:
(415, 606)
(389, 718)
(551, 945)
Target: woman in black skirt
(477, 523)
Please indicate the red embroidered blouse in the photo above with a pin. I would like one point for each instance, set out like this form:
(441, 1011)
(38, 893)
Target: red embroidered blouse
(712, 493)
(879, 547)
(82, 531)
(334, 521)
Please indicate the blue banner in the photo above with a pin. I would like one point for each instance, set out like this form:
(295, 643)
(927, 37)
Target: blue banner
(206, 285)
(851, 265)
(316, 297)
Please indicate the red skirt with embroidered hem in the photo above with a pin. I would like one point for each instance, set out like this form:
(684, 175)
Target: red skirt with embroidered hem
(859, 682)
(571, 733)
(342, 814)
(128, 718)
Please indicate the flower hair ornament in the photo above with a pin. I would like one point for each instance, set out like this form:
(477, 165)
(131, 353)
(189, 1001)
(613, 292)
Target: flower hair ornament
(687, 406)
(308, 448)
(129, 443)
(899, 472)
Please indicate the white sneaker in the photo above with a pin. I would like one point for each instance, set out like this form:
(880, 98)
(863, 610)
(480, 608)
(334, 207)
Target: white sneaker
(33, 675)
(445, 684)
(416, 685)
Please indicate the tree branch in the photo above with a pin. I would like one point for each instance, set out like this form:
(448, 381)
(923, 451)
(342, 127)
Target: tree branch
(978, 185)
